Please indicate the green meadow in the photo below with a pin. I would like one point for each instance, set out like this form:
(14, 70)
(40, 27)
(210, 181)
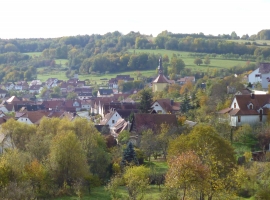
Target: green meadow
(216, 63)
(94, 78)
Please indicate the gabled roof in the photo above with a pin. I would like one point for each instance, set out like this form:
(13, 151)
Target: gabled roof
(257, 102)
(35, 87)
(161, 79)
(168, 105)
(152, 121)
(105, 91)
(107, 117)
(12, 99)
(3, 91)
(264, 68)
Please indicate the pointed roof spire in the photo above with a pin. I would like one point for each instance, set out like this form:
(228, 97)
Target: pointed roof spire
(160, 68)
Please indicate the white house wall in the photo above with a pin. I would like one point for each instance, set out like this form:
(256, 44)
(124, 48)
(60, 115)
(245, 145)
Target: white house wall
(158, 108)
(24, 120)
(252, 77)
(247, 119)
(114, 118)
(265, 80)
(232, 105)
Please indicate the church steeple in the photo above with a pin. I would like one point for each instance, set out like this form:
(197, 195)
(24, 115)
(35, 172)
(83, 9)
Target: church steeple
(160, 68)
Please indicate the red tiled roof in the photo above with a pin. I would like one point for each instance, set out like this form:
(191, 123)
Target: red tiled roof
(152, 121)
(161, 79)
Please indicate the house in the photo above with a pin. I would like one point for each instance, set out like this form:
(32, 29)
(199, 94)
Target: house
(35, 82)
(9, 86)
(21, 86)
(83, 96)
(3, 93)
(35, 89)
(119, 126)
(161, 82)
(246, 109)
(105, 93)
(51, 82)
(110, 118)
(142, 121)
(255, 77)
(113, 82)
(260, 75)
(31, 117)
(86, 105)
(186, 79)
(165, 106)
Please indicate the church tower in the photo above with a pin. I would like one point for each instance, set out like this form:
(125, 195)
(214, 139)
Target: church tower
(160, 83)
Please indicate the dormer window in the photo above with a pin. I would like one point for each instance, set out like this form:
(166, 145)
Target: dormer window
(234, 105)
(250, 106)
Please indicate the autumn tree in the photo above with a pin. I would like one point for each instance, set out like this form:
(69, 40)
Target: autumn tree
(67, 158)
(206, 60)
(214, 152)
(186, 173)
(177, 64)
(136, 181)
(148, 143)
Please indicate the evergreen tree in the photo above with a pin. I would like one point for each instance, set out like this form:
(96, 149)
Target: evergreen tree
(129, 156)
(185, 106)
(146, 101)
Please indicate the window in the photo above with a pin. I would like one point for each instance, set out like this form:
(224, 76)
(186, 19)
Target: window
(113, 121)
(239, 118)
(156, 105)
(250, 106)
(234, 105)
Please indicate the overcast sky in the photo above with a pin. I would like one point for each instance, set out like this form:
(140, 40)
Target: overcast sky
(56, 18)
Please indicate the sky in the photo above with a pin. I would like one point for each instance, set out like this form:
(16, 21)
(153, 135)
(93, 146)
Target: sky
(57, 18)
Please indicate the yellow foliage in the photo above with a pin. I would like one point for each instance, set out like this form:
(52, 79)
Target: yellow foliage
(187, 87)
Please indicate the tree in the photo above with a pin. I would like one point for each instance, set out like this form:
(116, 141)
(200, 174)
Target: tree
(67, 158)
(186, 173)
(136, 181)
(198, 61)
(148, 143)
(185, 106)
(72, 95)
(234, 35)
(146, 101)
(214, 152)
(206, 60)
(177, 65)
(129, 156)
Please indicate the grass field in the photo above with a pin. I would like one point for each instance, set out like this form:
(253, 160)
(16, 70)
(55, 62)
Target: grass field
(99, 193)
(93, 78)
(189, 61)
(260, 42)
(33, 54)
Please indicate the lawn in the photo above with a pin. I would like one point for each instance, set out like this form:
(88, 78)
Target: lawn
(93, 78)
(216, 63)
(158, 165)
(33, 54)
(100, 193)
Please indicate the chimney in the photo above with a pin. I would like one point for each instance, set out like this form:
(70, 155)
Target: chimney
(252, 95)
(171, 102)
